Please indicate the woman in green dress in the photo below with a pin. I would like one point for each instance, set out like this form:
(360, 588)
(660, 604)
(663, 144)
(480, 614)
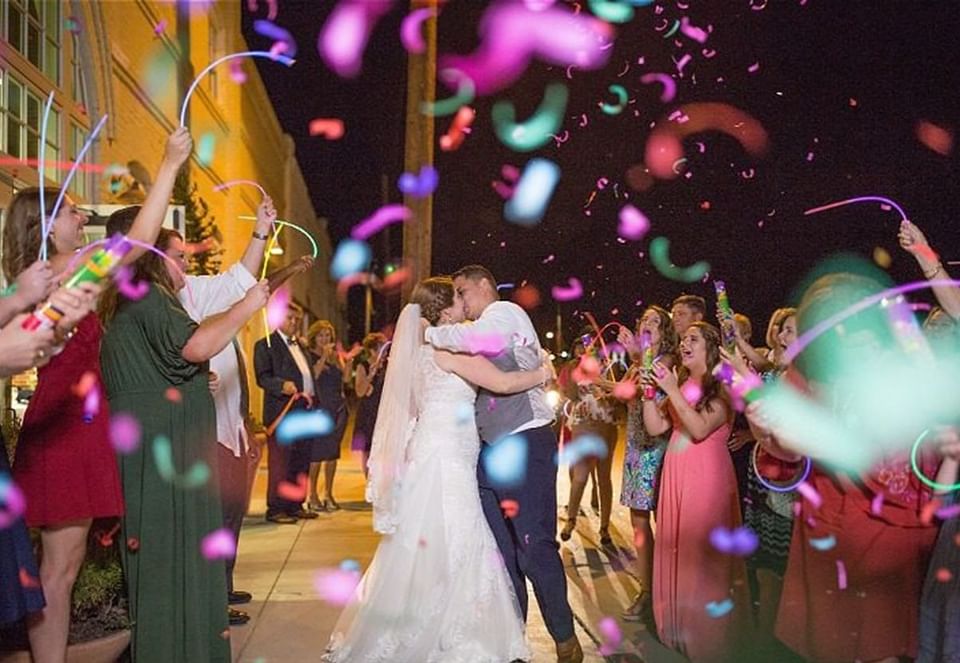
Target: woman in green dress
(154, 363)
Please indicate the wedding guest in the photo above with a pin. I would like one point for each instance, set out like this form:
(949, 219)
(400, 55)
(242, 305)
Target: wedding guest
(155, 363)
(915, 243)
(284, 373)
(643, 459)
(698, 493)
(21, 594)
(593, 412)
(371, 367)
(202, 297)
(685, 310)
(329, 374)
(65, 464)
(881, 547)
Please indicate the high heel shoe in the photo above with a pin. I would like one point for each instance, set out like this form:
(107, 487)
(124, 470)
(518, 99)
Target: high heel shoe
(332, 504)
(317, 506)
(605, 539)
(568, 529)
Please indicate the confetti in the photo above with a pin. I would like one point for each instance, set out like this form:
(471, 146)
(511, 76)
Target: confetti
(510, 508)
(581, 448)
(573, 290)
(810, 494)
(660, 257)
(294, 492)
(719, 609)
(205, 148)
(302, 424)
(841, 575)
(91, 404)
(489, 345)
(536, 131)
(825, 543)
(336, 586)
(329, 128)
(383, 217)
(277, 307)
(934, 137)
(741, 541)
(12, 501)
(126, 286)
(410, 34)
(529, 201)
(505, 461)
(173, 395)
(352, 256)
(466, 91)
(218, 544)
(420, 185)
(633, 223)
(458, 130)
(612, 10)
(611, 634)
(512, 36)
(195, 477)
(622, 96)
(124, 433)
(278, 34)
(669, 86)
(344, 35)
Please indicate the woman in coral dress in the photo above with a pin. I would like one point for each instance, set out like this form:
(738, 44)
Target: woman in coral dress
(700, 594)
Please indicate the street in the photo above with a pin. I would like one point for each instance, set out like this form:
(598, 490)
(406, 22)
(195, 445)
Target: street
(289, 622)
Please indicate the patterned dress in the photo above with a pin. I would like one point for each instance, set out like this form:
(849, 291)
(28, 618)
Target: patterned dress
(642, 461)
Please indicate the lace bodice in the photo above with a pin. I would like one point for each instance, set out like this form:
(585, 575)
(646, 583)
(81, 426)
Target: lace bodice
(435, 388)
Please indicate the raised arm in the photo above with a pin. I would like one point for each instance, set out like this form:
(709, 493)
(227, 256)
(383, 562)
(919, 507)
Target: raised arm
(914, 242)
(481, 372)
(698, 423)
(495, 320)
(216, 332)
(146, 226)
(277, 278)
(253, 257)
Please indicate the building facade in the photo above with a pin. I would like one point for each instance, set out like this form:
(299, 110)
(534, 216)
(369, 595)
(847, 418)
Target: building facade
(133, 61)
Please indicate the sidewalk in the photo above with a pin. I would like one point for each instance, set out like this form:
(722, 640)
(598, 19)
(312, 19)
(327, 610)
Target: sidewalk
(290, 622)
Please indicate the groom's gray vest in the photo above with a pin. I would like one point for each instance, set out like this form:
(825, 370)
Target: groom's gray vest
(499, 414)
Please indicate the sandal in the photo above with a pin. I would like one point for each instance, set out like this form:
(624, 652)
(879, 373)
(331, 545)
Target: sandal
(605, 539)
(568, 529)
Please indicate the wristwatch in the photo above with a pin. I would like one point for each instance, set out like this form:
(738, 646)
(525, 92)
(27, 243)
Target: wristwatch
(260, 236)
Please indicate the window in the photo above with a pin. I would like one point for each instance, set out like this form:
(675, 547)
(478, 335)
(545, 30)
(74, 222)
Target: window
(33, 28)
(81, 179)
(21, 110)
(79, 88)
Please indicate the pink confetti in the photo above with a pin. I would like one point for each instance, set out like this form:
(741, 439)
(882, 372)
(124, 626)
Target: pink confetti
(754, 68)
(329, 128)
(682, 62)
(124, 280)
(380, 219)
(633, 223)
(876, 504)
(936, 138)
(336, 586)
(277, 308)
(810, 494)
(91, 404)
(218, 544)
(611, 634)
(344, 35)
(459, 128)
(692, 31)
(692, 392)
(124, 433)
(573, 290)
(410, 33)
(12, 502)
(669, 85)
(485, 344)
(841, 575)
(160, 27)
(237, 74)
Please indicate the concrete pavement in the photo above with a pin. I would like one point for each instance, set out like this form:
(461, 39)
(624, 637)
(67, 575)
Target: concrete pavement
(289, 622)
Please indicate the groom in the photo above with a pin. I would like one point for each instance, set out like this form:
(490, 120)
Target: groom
(528, 541)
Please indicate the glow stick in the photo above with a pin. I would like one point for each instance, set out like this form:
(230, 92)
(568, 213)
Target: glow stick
(226, 185)
(860, 199)
(66, 185)
(43, 176)
(281, 222)
(253, 54)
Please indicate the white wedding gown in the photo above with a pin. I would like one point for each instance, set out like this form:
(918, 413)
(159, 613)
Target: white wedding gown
(436, 590)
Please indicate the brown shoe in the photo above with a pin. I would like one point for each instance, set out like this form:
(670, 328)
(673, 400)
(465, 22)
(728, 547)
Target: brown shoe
(569, 651)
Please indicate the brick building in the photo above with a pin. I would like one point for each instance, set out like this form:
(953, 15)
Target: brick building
(133, 60)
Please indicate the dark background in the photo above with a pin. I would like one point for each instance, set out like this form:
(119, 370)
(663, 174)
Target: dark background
(845, 80)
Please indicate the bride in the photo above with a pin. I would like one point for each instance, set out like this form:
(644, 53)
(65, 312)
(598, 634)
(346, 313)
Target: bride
(436, 590)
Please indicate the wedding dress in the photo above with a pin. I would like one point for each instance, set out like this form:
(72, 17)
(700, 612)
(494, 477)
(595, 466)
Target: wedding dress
(436, 590)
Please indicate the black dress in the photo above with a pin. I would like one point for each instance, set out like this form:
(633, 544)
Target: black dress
(20, 591)
(328, 396)
(940, 605)
(367, 412)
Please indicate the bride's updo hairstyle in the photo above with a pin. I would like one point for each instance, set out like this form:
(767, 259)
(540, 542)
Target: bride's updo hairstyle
(433, 295)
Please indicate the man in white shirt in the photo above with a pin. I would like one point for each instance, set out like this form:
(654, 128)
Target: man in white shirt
(527, 540)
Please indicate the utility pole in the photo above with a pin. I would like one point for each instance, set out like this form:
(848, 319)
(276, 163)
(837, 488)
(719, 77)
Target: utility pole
(418, 148)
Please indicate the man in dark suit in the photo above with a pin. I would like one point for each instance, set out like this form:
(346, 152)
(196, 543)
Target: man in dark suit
(283, 370)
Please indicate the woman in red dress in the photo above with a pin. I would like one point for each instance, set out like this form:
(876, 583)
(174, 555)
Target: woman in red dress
(861, 542)
(64, 463)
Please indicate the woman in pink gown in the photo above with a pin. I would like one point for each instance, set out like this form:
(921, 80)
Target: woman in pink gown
(700, 594)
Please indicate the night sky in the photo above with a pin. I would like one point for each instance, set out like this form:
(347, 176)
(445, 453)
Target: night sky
(844, 80)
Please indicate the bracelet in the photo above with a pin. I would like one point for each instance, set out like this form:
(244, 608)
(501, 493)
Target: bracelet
(936, 270)
(261, 236)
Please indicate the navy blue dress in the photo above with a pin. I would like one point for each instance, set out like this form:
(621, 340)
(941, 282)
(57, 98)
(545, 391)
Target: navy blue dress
(20, 591)
(367, 413)
(328, 396)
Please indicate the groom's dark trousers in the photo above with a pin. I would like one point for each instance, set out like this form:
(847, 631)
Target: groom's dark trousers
(528, 540)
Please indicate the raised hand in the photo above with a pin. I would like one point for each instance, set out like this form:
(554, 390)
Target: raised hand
(178, 148)
(257, 296)
(266, 215)
(665, 377)
(911, 238)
